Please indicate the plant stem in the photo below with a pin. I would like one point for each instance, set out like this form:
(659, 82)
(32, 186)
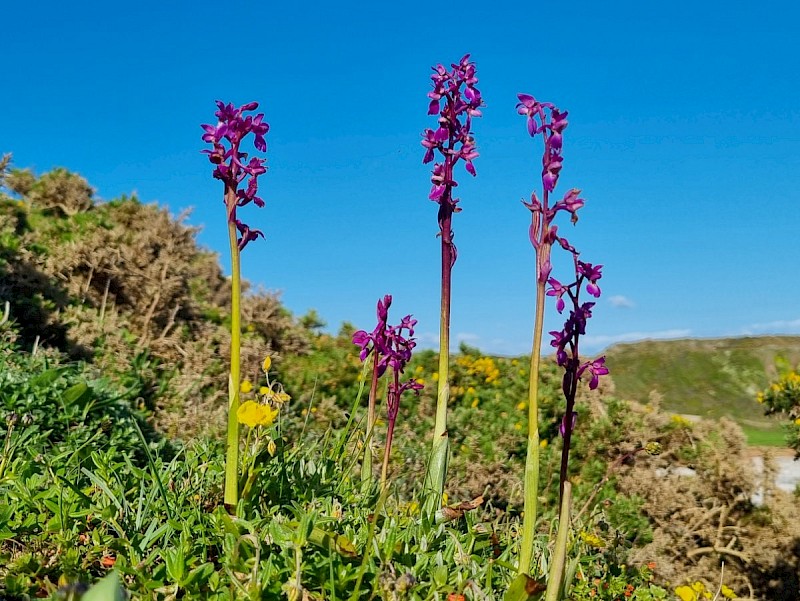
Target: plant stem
(232, 457)
(555, 579)
(366, 465)
(532, 457)
(386, 452)
(573, 387)
(439, 453)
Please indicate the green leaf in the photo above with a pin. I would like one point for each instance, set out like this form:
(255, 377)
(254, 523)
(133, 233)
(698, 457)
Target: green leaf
(46, 377)
(524, 588)
(108, 589)
(439, 574)
(78, 392)
(200, 574)
(333, 542)
(102, 486)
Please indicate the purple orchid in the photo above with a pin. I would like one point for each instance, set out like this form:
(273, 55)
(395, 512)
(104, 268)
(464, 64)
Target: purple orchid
(568, 424)
(546, 119)
(391, 346)
(232, 166)
(452, 139)
(456, 100)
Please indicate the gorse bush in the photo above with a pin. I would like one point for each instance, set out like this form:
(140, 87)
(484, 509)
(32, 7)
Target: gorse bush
(123, 282)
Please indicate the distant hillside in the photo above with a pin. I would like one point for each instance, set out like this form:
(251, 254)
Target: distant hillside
(707, 377)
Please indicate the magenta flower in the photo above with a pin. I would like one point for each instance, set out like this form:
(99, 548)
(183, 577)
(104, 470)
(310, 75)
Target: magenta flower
(562, 429)
(452, 139)
(232, 167)
(392, 347)
(596, 369)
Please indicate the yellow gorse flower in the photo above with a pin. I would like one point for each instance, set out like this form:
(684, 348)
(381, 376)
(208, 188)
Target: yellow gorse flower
(592, 540)
(685, 593)
(254, 414)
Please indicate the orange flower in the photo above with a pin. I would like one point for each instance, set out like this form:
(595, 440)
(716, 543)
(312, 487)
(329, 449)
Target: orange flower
(108, 561)
(455, 597)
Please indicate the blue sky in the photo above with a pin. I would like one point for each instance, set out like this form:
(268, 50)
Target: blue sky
(684, 136)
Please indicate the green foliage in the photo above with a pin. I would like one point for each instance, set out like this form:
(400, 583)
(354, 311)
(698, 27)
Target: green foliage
(87, 492)
(783, 397)
(710, 378)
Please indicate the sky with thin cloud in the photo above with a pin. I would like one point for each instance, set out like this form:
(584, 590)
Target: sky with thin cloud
(684, 136)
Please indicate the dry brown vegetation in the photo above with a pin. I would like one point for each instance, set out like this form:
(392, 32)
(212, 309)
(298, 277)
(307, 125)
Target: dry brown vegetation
(125, 283)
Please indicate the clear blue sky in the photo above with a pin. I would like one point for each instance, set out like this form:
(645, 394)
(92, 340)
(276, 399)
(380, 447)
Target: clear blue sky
(684, 136)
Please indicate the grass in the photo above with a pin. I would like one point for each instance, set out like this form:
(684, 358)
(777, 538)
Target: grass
(710, 378)
(764, 437)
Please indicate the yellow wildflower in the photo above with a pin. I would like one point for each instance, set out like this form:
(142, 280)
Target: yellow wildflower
(681, 421)
(543, 443)
(267, 363)
(592, 540)
(271, 448)
(698, 586)
(444, 498)
(685, 593)
(254, 414)
(518, 426)
(265, 390)
(727, 592)
(471, 390)
(435, 376)
(418, 369)
(421, 381)
(475, 402)
(246, 386)
(797, 422)
(282, 397)
(522, 405)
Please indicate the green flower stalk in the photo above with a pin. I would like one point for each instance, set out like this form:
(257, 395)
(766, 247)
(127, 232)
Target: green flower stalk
(453, 140)
(542, 236)
(234, 170)
(548, 120)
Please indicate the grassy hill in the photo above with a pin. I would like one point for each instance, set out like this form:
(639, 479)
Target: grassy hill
(706, 377)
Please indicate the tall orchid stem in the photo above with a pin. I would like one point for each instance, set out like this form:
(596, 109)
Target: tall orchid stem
(232, 456)
(530, 506)
(366, 464)
(386, 453)
(555, 579)
(439, 453)
(573, 387)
